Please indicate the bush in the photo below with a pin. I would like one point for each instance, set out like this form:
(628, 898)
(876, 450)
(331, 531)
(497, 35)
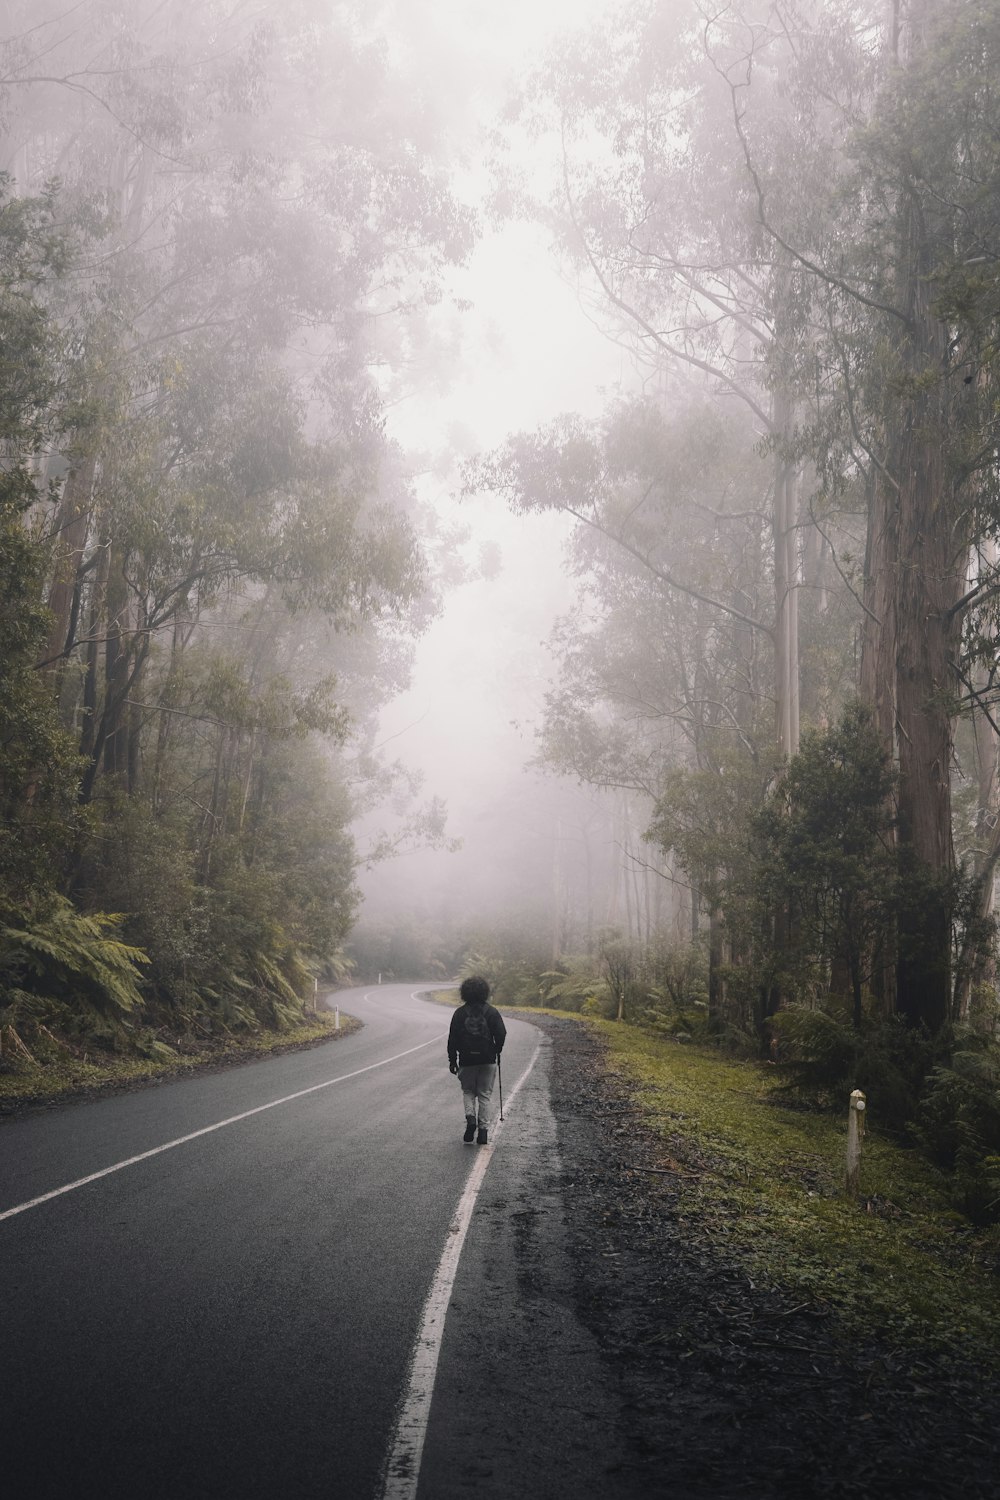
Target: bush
(825, 1058)
(60, 967)
(513, 958)
(959, 1124)
(573, 984)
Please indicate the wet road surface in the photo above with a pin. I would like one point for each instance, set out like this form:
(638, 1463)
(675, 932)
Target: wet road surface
(235, 1316)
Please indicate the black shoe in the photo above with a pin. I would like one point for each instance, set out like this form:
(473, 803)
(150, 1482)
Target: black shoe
(470, 1129)
(481, 1137)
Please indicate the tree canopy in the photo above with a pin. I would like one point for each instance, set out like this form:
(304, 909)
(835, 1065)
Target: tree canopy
(211, 221)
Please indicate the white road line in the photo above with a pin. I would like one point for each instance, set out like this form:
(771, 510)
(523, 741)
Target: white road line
(402, 1470)
(182, 1140)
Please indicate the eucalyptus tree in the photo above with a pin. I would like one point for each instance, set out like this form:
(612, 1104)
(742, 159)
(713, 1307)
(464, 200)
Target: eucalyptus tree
(826, 849)
(229, 242)
(654, 206)
(38, 764)
(255, 202)
(896, 245)
(665, 671)
(798, 201)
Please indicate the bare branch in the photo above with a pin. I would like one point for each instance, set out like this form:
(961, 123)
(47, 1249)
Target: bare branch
(797, 255)
(668, 579)
(637, 317)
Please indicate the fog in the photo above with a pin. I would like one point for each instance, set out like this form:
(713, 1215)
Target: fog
(451, 457)
(527, 350)
(501, 487)
(481, 669)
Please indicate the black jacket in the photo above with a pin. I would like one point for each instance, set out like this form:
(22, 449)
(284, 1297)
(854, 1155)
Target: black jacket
(464, 1049)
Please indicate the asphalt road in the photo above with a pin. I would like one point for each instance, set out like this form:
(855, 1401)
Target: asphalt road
(236, 1316)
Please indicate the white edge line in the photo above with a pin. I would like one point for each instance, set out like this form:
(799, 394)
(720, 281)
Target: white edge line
(402, 1466)
(119, 1166)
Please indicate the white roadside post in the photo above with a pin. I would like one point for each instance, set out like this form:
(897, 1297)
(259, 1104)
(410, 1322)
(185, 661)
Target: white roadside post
(855, 1135)
(315, 996)
(336, 1018)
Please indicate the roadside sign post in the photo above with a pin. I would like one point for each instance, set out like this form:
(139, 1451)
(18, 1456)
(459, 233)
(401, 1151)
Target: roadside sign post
(855, 1135)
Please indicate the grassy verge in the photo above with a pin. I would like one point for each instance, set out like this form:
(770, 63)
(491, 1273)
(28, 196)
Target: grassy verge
(766, 1180)
(67, 1074)
(443, 997)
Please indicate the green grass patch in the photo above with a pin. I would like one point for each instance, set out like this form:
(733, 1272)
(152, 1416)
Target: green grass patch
(66, 1072)
(766, 1181)
(443, 997)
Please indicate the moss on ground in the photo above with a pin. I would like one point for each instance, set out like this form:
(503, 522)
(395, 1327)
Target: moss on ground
(67, 1073)
(766, 1180)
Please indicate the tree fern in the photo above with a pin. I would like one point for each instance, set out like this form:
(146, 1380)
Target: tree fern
(60, 953)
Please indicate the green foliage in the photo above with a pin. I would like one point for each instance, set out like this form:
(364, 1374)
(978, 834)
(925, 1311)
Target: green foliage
(767, 1182)
(959, 1124)
(222, 580)
(513, 957)
(825, 856)
(405, 948)
(573, 984)
(59, 962)
(822, 1058)
(705, 817)
(674, 978)
(233, 944)
(54, 1070)
(38, 765)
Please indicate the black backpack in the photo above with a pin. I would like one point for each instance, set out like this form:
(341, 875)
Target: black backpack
(475, 1044)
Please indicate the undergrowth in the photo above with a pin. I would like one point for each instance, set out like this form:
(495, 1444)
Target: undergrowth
(58, 1071)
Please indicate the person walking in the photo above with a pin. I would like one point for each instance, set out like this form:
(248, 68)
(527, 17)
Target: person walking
(475, 1041)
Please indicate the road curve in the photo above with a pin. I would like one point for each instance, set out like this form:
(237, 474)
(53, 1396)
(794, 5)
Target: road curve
(235, 1315)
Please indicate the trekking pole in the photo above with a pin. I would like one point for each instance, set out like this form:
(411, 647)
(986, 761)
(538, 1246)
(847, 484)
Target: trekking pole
(500, 1082)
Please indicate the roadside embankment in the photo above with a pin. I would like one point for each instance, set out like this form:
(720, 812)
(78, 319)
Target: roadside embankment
(69, 1072)
(771, 1335)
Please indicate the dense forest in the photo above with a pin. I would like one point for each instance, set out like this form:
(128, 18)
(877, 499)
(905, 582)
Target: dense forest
(785, 648)
(217, 224)
(223, 232)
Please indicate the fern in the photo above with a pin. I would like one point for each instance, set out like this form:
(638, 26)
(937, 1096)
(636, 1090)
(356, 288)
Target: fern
(271, 978)
(338, 967)
(570, 986)
(62, 954)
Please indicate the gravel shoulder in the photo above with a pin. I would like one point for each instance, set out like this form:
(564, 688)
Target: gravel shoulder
(726, 1388)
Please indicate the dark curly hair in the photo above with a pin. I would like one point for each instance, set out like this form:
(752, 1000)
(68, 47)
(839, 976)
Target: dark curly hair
(474, 990)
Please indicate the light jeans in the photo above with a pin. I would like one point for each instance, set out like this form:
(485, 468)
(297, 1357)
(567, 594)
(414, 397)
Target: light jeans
(477, 1089)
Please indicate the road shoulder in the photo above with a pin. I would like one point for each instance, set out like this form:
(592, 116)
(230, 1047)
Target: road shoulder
(524, 1403)
(596, 1346)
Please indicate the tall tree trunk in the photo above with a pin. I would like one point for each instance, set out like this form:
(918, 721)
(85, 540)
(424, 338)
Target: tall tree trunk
(784, 538)
(91, 685)
(116, 668)
(877, 677)
(929, 583)
(716, 996)
(877, 673)
(71, 526)
(976, 964)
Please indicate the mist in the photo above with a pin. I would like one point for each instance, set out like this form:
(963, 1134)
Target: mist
(505, 494)
(451, 472)
(525, 351)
